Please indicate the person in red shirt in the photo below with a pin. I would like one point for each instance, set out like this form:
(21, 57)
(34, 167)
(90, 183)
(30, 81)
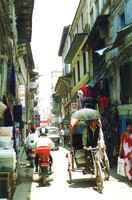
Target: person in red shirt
(126, 150)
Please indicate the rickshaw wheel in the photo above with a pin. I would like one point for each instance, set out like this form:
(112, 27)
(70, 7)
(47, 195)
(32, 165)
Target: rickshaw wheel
(69, 170)
(70, 175)
(106, 168)
(99, 177)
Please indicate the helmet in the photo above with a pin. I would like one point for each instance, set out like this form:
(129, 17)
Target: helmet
(43, 131)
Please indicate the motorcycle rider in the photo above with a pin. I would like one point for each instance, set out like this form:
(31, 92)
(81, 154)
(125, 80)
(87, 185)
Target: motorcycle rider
(43, 140)
(31, 142)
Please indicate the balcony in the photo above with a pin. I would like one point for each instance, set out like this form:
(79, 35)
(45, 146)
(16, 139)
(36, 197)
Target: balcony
(33, 85)
(78, 40)
(63, 86)
(32, 88)
(67, 70)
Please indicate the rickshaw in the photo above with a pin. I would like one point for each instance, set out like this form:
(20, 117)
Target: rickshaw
(100, 168)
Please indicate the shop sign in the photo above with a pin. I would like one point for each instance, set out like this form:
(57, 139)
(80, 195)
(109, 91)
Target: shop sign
(21, 94)
(74, 107)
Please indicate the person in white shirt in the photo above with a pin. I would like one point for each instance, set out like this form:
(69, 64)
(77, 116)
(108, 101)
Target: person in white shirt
(43, 140)
(31, 142)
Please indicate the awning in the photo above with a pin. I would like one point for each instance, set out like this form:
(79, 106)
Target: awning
(63, 86)
(77, 41)
(118, 41)
(94, 83)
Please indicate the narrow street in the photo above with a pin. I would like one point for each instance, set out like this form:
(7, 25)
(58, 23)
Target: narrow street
(28, 187)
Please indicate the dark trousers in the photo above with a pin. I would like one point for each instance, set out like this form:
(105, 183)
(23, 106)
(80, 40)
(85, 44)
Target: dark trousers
(88, 158)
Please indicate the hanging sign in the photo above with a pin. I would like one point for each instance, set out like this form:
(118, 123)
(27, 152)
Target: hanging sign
(21, 94)
(74, 107)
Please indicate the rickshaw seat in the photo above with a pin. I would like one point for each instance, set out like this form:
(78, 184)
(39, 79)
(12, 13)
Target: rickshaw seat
(77, 141)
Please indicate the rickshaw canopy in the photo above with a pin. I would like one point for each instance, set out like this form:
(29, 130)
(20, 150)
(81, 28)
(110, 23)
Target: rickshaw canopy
(85, 114)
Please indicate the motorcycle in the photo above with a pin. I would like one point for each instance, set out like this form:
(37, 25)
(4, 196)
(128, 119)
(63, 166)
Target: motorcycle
(44, 163)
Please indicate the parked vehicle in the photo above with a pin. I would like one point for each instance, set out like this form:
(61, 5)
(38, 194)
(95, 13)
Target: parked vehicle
(54, 134)
(44, 163)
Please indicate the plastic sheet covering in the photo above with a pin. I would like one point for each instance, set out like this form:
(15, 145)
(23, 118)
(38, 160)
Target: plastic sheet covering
(80, 153)
(6, 142)
(6, 131)
(80, 156)
(7, 160)
(81, 160)
(2, 109)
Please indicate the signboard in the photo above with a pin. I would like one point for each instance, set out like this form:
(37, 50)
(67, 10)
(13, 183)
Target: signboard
(46, 121)
(74, 107)
(21, 94)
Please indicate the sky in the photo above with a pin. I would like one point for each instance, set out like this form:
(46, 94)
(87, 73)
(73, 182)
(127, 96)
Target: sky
(49, 19)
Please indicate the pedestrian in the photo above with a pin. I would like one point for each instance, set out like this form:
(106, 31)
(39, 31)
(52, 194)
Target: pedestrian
(92, 137)
(126, 150)
(44, 140)
(66, 135)
(62, 133)
(107, 138)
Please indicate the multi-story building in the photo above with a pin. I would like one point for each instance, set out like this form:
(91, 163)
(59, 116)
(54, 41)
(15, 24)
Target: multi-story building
(120, 60)
(16, 63)
(75, 74)
(97, 46)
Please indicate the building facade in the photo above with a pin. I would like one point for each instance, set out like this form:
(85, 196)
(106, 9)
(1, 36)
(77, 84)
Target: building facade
(17, 78)
(99, 54)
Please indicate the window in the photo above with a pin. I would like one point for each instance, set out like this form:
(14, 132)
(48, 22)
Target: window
(122, 19)
(77, 28)
(78, 69)
(82, 20)
(126, 82)
(97, 7)
(91, 17)
(91, 1)
(84, 62)
(121, 14)
(74, 77)
(98, 61)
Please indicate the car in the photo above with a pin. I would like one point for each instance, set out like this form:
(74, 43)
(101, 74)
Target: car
(54, 134)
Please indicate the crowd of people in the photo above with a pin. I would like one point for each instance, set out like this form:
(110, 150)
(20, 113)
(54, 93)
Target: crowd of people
(65, 133)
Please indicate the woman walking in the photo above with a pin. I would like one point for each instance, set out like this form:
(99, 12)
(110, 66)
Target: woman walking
(126, 150)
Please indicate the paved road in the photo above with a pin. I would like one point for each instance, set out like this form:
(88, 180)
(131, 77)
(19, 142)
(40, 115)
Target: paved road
(28, 187)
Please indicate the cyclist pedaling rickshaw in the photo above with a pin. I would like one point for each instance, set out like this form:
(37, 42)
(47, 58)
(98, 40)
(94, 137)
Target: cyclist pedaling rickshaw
(92, 138)
(87, 147)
